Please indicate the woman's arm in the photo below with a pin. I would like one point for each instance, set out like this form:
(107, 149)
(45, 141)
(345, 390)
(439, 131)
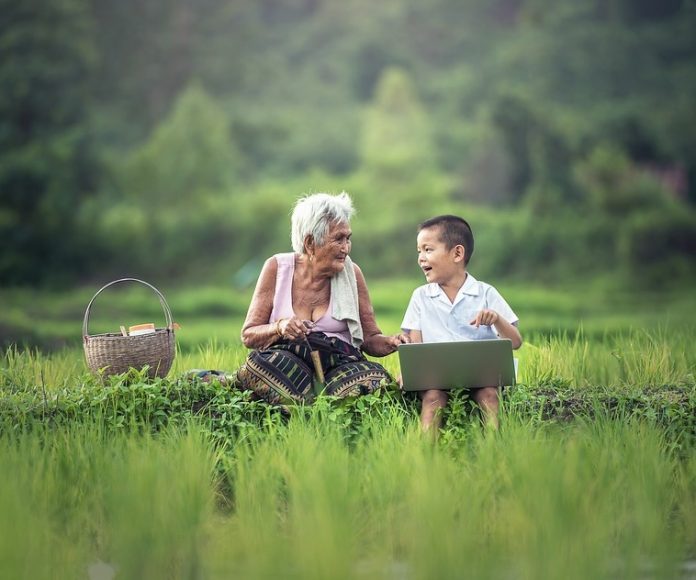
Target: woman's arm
(375, 343)
(257, 332)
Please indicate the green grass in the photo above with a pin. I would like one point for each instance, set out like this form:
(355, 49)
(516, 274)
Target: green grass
(53, 320)
(637, 358)
(601, 499)
(585, 336)
(592, 475)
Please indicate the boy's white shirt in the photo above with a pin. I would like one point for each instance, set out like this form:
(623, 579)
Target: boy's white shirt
(440, 320)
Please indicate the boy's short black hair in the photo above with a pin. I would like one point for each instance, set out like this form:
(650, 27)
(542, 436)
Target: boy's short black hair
(454, 231)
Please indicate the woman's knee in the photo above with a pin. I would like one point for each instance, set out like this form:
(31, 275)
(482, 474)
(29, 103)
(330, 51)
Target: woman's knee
(276, 376)
(355, 378)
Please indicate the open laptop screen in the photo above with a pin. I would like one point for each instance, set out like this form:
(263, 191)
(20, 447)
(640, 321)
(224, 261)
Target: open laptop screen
(452, 365)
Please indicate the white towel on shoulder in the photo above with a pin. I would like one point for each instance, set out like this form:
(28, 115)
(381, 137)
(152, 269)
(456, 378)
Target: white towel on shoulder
(344, 298)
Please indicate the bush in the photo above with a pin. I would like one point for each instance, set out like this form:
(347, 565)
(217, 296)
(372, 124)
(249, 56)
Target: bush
(130, 403)
(660, 245)
(397, 141)
(564, 247)
(615, 186)
(189, 154)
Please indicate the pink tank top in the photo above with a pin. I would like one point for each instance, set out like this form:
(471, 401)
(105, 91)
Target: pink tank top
(282, 301)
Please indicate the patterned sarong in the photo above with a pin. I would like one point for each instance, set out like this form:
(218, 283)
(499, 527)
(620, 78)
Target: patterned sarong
(284, 373)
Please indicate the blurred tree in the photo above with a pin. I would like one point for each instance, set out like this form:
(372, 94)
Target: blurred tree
(577, 61)
(371, 59)
(146, 51)
(515, 122)
(397, 140)
(615, 185)
(287, 10)
(539, 154)
(487, 174)
(46, 162)
(170, 194)
(188, 155)
(658, 247)
(528, 102)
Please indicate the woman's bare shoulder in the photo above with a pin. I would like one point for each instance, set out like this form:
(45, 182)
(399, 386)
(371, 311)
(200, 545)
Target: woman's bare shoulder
(270, 266)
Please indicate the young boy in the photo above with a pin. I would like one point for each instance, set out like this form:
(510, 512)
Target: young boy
(455, 306)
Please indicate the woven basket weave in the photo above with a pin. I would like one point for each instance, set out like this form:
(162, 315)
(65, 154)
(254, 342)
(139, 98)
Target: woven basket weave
(113, 353)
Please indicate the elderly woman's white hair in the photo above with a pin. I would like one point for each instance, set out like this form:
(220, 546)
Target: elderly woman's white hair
(314, 214)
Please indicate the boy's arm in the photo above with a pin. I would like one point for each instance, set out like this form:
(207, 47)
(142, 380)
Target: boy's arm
(414, 335)
(504, 329)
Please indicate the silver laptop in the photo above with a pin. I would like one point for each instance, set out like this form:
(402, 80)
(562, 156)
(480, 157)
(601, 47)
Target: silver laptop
(453, 365)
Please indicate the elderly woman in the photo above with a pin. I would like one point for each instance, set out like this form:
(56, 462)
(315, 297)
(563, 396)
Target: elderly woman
(313, 299)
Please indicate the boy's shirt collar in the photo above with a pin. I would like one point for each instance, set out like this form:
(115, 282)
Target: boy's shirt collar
(470, 287)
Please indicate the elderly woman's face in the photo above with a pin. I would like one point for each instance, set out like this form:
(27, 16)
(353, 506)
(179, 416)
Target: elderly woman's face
(337, 243)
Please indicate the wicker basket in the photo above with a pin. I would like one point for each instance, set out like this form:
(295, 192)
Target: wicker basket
(113, 353)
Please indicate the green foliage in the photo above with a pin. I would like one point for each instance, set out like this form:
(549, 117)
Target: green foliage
(539, 154)
(592, 471)
(100, 492)
(581, 501)
(660, 245)
(672, 408)
(396, 144)
(129, 402)
(211, 316)
(47, 166)
(189, 154)
(175, 195)
(212, 121)
(556, 246)
(615, 186)
(643, 373)
(487, 171)
(384, 230)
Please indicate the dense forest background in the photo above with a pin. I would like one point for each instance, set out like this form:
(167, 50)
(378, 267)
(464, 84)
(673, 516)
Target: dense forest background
(169, 138)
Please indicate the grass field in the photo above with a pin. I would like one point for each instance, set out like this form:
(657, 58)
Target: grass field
(53, 321)
(598, 499)
(592, 474)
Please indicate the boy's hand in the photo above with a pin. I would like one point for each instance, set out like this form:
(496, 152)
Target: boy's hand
(486, 317)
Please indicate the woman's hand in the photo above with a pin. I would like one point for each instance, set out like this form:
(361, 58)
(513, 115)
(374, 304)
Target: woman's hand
(375, 343)
(397, 339)
(258, 331)
(293, 328)
(380, 345)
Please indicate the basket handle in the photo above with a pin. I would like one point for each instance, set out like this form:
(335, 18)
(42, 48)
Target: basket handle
(163, 302)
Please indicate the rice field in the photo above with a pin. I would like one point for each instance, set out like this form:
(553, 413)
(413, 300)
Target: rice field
(603, 488)
(600, 499)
